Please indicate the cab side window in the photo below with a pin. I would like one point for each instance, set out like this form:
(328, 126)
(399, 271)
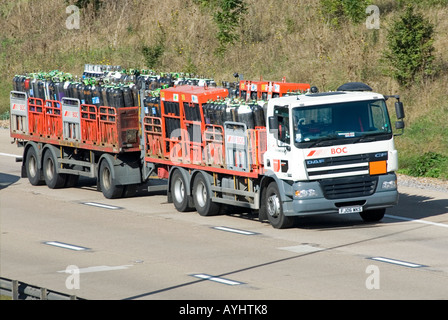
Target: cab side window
(282, 114)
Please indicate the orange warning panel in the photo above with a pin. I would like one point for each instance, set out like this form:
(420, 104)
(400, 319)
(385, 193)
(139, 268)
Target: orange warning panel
(378, 167)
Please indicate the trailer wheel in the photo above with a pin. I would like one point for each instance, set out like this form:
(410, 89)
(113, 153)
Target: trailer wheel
(202, 197)
(53, 179)
(274, 208)
(107, 184)
(179, 192)
(32, 169)
(373, 215)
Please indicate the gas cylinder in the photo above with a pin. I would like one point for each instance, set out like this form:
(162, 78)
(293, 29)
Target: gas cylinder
(80, 88)
(205, 110)
(110, 95)
(127, 96)
(51, 90)
(103, 93)
(134, 91)
(95, 95)
(245, 115)
(258, 114)
(220, 114)
(40, 89)
(87, 92)
(27, 84)
(117, 97)
(15, 83)
(72, 90)
(33, 89)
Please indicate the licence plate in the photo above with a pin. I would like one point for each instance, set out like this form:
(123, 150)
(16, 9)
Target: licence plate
(346, 210)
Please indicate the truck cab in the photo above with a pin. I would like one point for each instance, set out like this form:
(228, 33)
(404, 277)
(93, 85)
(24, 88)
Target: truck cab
(331, 152)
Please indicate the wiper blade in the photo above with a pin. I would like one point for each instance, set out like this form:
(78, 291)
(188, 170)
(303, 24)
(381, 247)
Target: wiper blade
(368, 137)
(329, 140)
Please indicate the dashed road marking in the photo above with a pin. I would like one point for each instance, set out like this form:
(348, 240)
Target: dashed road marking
(101, 205)
(304, 248)
(65, 246)
(217, 279)
(398, 262)
(243, 232)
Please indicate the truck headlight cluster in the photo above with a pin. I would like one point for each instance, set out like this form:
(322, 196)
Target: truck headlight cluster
(307, 193)
(389, 185)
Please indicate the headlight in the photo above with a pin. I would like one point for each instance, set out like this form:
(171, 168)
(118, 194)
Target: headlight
(389, 185)
(305, 193)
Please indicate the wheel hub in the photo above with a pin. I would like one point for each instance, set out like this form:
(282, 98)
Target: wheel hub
(273, 206)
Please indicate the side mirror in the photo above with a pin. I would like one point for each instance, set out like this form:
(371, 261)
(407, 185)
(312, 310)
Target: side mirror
(273, 124)
(399, 125)
(399, 110)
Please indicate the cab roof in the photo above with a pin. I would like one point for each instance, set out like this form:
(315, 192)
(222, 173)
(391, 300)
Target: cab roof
(312, 99)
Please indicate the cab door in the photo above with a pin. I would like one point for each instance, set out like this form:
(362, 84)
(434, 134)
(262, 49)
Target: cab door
(278, 157)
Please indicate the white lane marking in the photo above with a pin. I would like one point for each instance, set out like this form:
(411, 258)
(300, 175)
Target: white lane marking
(10, 155)
(98, 269)
(417, 220)
(217, 279)
(65, 245)
(398, 262)
(100, 205)
(304, 248)
(247, 233)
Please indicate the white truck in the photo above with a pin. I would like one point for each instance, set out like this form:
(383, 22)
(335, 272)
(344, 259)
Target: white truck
(331, 152)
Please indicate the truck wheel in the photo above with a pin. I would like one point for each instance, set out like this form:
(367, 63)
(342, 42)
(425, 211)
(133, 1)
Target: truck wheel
(107, 184)
(179, 192)
(53, 179)
(31, 167)
(202, 197)
(373, 215)
(274, 208)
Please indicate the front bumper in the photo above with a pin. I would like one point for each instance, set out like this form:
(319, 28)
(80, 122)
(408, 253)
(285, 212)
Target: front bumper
(382, 197)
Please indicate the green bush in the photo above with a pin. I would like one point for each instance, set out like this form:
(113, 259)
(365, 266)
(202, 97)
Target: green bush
(336, 11)
(410, 49)
(153, 53)
(430, 164)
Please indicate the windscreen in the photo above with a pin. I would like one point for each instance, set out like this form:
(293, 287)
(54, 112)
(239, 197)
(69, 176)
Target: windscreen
(342, 123)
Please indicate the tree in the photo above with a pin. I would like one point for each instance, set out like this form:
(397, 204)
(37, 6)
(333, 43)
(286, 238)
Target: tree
(409, 51)
(227, 15)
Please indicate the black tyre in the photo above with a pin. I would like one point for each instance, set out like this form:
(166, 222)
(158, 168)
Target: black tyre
(179, 192)
(32, 169)
(53, 179)
(274, 208)
(202, 197)
(373, 215)
(107, 184)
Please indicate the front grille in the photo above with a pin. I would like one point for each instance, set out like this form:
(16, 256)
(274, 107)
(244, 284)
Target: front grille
(338, 161)
(349, 165)
(351, 187)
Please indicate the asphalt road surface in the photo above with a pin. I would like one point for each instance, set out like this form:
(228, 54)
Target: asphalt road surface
(75, 241)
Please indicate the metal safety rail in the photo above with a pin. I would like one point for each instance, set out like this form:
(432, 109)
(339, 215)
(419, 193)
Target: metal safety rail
(22, 291)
